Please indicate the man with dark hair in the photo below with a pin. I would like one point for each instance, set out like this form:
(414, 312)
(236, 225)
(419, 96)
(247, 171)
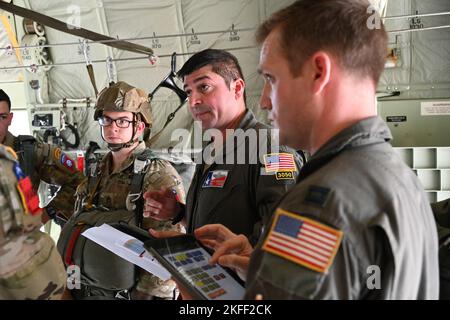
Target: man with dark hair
(358, 224)
(221, 62)
(42, 161)
(239, 195)
(5, 115)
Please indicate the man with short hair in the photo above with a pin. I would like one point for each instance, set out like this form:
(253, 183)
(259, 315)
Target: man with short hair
(42, 161)
(5, 116)
(358, 224)
(238, 194)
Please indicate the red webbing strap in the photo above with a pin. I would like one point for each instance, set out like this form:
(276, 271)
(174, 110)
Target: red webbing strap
(72, 241)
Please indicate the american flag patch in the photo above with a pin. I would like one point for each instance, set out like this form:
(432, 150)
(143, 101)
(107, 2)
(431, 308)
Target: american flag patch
(303, 241)
(278, 162)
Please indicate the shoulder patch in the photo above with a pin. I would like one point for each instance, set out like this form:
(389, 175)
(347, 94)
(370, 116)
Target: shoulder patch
(303, 241)
(67, 162)
(280, 164)
(317, 195)
(215, 179)
(8, 153)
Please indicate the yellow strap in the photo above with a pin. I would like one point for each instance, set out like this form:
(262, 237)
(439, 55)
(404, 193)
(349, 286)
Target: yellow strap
(11, 36)
(24, 201)
(11, 152)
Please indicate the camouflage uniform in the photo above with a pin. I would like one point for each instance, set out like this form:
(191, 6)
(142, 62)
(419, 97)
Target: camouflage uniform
(104, 198)
(53, 166)
(112, 193)
(30, 266)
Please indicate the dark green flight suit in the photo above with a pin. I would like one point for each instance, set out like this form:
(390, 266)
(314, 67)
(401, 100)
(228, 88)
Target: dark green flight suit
(246, 199)
(357, 185)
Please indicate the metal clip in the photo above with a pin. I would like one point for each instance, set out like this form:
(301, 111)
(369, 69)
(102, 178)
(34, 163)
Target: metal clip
(123, 295)
(93, 168)
(130, 201)
(83, 49)
(110, 70)
(139, 165)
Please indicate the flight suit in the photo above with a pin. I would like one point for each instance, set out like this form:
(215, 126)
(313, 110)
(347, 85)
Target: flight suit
(30, 266)
(104, 200)
(441, 211)
(358, 225)
(239, 195)
(53, 166)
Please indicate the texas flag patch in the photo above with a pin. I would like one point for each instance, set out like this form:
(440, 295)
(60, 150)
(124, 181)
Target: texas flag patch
(215, 179)
(303, 241)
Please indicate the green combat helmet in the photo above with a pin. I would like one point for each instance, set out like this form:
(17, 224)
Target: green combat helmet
(120, 97)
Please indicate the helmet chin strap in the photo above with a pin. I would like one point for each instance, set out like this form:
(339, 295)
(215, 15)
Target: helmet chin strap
(114, 147)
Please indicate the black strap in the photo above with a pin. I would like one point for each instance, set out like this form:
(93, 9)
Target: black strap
(180, 214)
(170, 117)
(53, 215)
(75, 133)
(136, 184)
(24, 146)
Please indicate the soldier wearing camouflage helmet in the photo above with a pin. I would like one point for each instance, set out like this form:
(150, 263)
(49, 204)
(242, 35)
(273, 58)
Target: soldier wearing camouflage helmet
(112, 193)
(30, 266)
(121, 97)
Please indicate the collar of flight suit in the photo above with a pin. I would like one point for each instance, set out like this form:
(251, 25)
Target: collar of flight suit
(372, 130)
(248, 121)
(106, 162)
(9, 139)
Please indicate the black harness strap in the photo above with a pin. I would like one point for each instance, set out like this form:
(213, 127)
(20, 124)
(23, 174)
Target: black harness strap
(24, 146)
(141, 164)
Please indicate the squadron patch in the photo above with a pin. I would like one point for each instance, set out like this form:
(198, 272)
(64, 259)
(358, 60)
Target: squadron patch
(282, 164)
(215, 179)
(67, 162)
(303, 241)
